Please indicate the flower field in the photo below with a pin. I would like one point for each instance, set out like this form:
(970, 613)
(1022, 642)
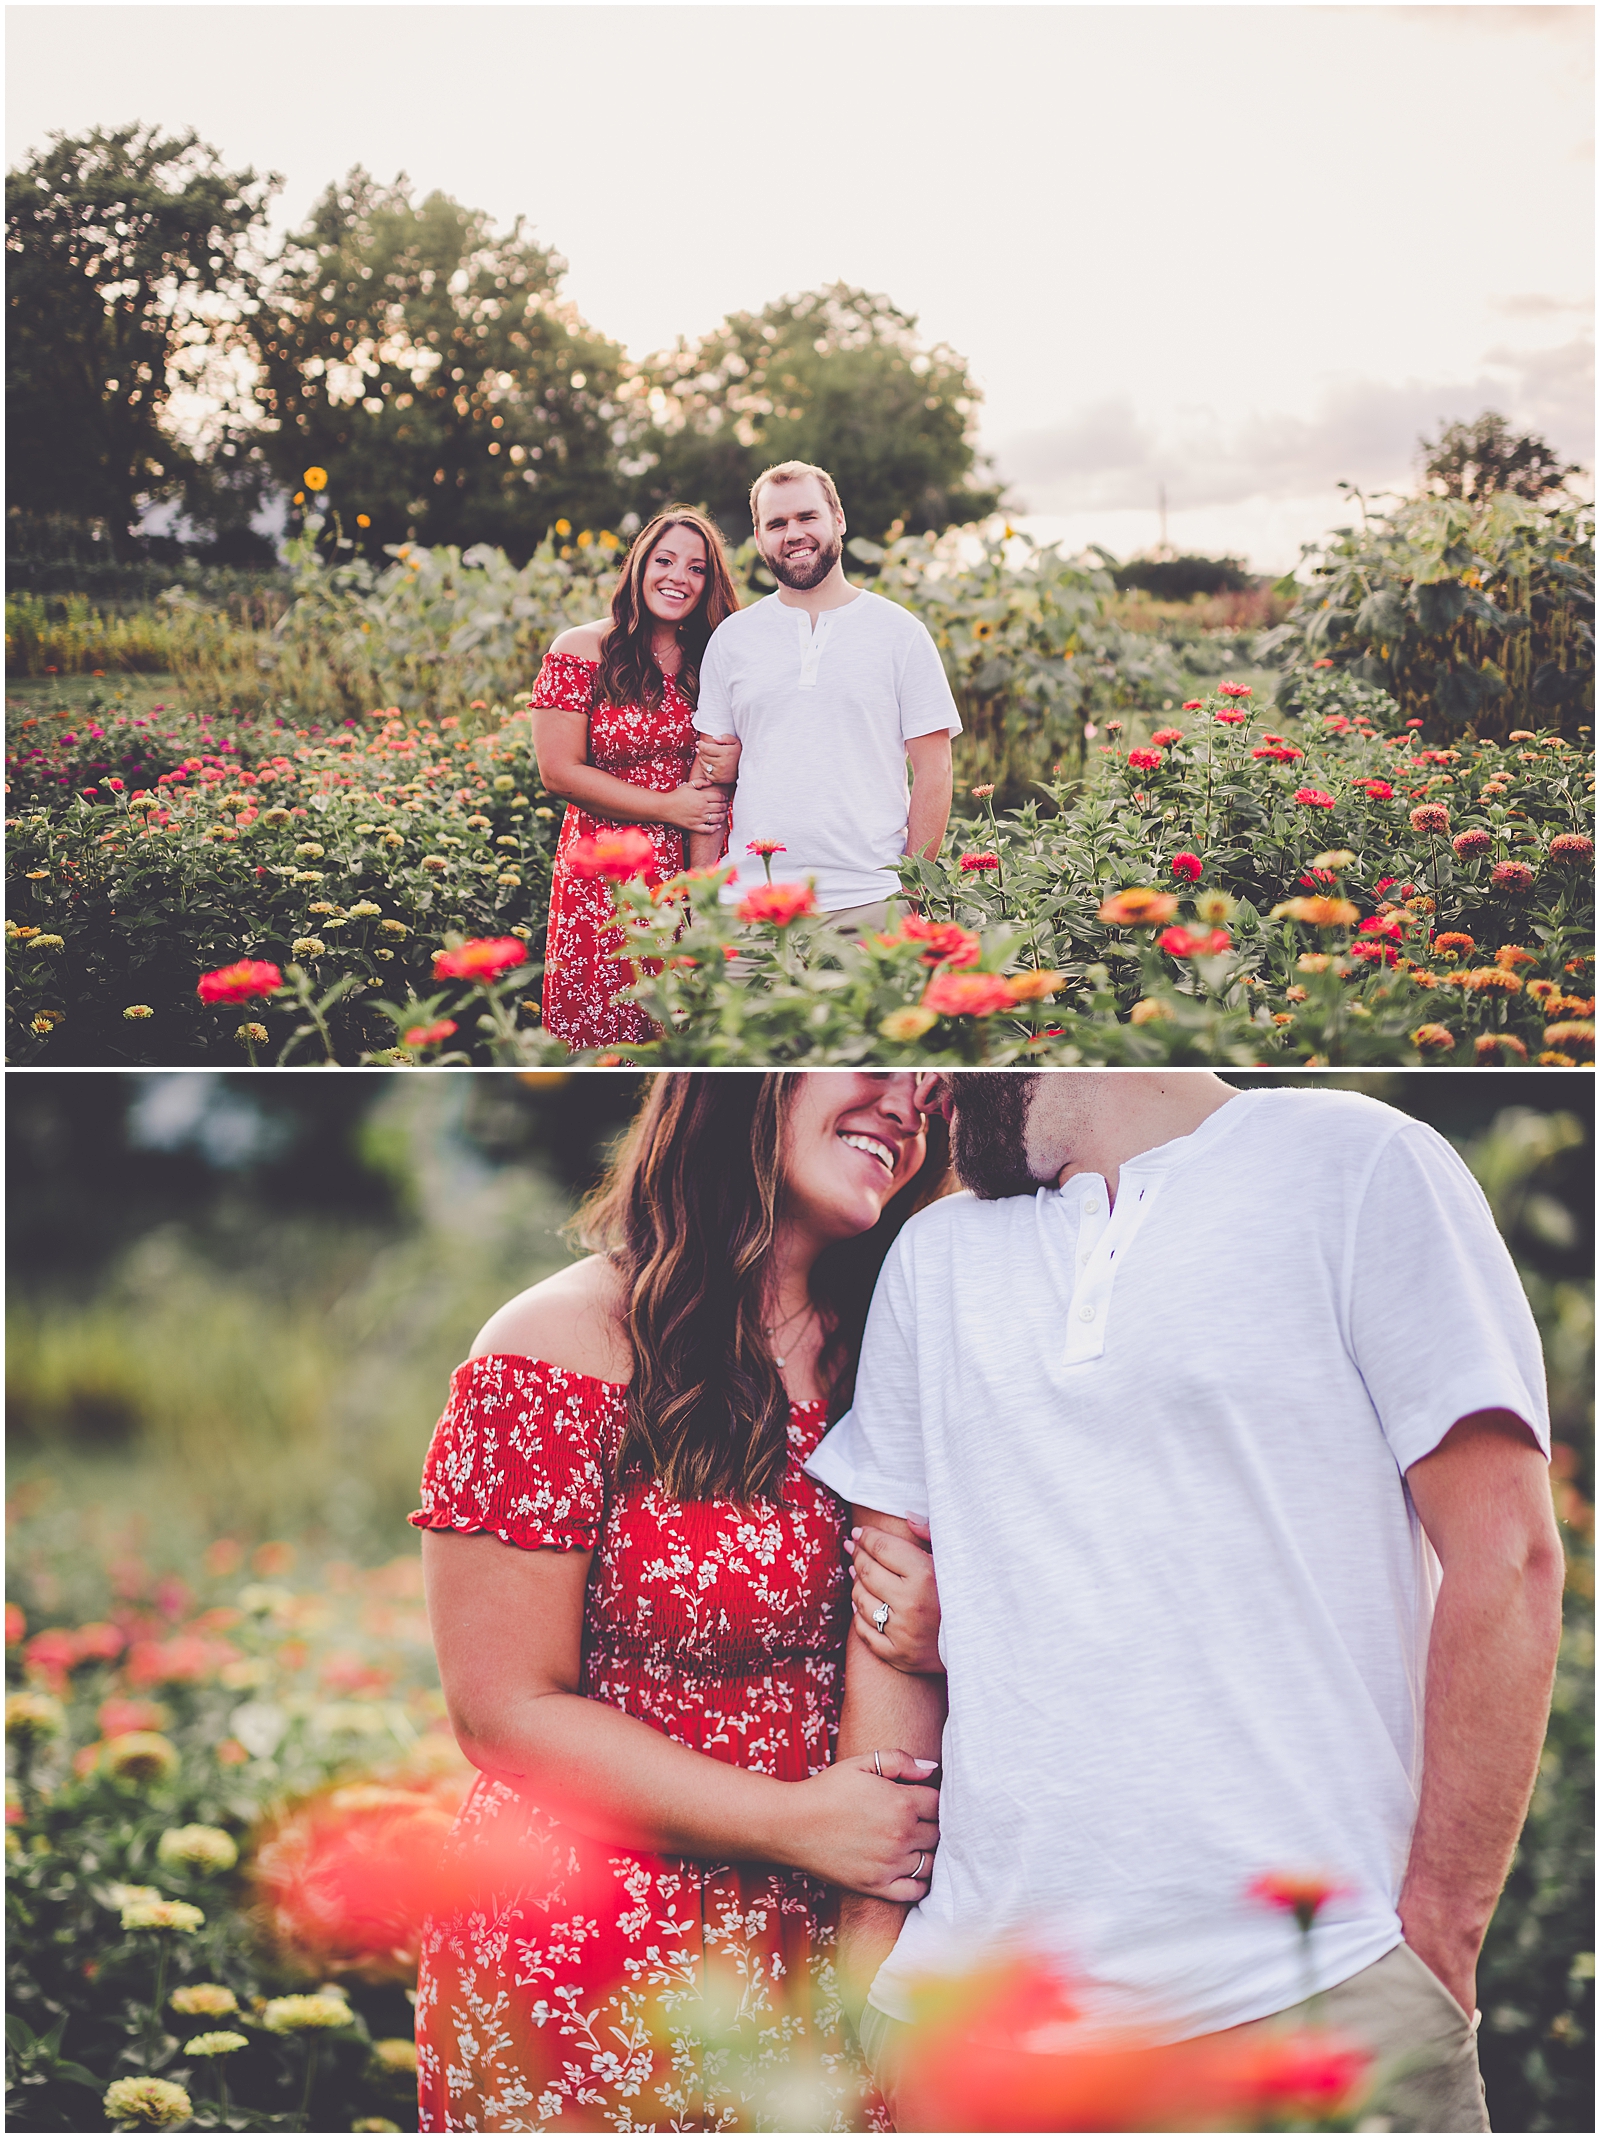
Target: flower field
(1334, 878)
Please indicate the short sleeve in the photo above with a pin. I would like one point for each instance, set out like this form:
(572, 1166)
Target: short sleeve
(713, 712)
(563, 681)
(927, 704)
(1439, 1324)
(873, 1457)
(519, 1455)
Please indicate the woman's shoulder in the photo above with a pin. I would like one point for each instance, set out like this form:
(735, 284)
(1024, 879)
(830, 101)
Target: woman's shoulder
(581, 642)
(573, 1320)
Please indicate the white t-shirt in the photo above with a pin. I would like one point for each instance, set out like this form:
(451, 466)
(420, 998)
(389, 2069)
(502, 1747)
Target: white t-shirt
(824, 715)
(1186, 1597)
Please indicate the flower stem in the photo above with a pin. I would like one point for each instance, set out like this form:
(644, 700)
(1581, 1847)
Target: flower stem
(311, 2073)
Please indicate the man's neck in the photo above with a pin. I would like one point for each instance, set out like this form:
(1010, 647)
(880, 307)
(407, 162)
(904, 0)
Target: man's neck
(834, 592)
(1142, 1111)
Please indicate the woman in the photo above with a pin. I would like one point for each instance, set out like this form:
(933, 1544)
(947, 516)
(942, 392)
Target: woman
(613, 730)
(639, 1602)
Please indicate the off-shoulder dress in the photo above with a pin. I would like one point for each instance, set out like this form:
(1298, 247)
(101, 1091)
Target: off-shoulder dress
(635, 1991)
(648, 746)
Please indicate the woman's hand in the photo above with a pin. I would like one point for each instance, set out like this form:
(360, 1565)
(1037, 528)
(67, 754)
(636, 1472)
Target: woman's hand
(899, 1572)
(869, 1824)
(694, 809)
(718, 757)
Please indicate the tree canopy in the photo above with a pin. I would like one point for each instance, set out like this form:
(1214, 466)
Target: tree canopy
(432, 370)
(838, 377)
(126, 252)
(1474, 460)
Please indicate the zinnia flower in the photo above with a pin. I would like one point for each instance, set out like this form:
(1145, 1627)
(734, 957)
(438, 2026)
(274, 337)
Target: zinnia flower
(1377, 790)
(1511, 876)
(1145, 760)
(210, 2000)
(155, 2102)
(978, 864)
(1215, 907)
(772, 846)
(237, 983)
(1192, 943)
(1187, 867)
(615, 855)
(430, 1035)
(315, 478)
(966, 994)
(32, 1717)
(1491, 980)
(1313, 798)
(944, 942)
(142, 1756)
(778, 903)
(1230, 716)
(204, 1848)
(300, 2015)
(1511, 955)
(1036, 986)
(308, 946)
(221, 2044)
(1575, 1038)
(397, 2053)
(1571, 847)
(907, 1025)
(1453, 945)
(1317, 912)
(162, 1915)
(1164, 738)
(1488, 1046)
(1430, 818)
(481, 958)
(1233, 690)
(137, 1012)
(1137, 908)
(1302, 1894)
(1433, 1039)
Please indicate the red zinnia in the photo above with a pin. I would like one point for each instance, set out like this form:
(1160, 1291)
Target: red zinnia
(1313, 798)
(237, 983)
(978, 864)
(1430, 818)
(1230, 716)
(1469, 844)
(778, 903)
(1281, 753)
(1571, 846)
(480, 959)
(1195, 942)
(944, 942)
(1167, 736)
(1511, 876)
(1233, 690)
(1192, 705)
(1145, 760)
(1187, 866)
(430, 1035)
(766, 846)
(1375, 953)
(1298, 1893)
(966, 994)
(613, 854)
(1382, 924)
(1378, 790)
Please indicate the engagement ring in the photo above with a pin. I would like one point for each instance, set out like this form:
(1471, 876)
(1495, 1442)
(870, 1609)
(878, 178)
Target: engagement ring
(880, 1617)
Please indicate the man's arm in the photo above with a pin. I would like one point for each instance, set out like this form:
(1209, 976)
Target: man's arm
(933, 785)
(882, 1706)
(1483, 1498)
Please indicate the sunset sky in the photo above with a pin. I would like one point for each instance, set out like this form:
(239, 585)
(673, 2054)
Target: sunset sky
(1242, 252)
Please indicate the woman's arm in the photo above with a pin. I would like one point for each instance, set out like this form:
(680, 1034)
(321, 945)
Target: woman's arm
(561, 745)
(507, 1627)
(894, 1567)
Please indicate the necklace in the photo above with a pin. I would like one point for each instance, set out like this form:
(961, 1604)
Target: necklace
(777, 1328)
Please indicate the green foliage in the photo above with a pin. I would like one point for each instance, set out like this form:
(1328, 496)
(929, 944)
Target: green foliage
(1181, 578)
(126, 263)
(432, 371)
(837, 377)
(1472, 615)
(1474, 460)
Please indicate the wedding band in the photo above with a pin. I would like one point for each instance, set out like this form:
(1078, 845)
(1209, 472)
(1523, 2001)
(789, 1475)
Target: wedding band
(880, 1618)
(877, 1766)
(921, 1860)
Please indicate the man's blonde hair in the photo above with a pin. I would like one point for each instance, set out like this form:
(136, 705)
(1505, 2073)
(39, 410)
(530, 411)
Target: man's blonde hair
(790, 471)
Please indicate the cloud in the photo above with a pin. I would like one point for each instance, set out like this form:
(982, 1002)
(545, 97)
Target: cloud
(1535, 305)
(1106, 457)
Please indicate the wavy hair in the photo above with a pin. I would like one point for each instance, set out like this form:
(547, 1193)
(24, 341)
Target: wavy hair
(627, 673)
(687, 1216)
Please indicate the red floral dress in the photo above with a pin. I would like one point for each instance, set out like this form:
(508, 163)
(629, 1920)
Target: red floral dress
(647, 748)
(616, 1990)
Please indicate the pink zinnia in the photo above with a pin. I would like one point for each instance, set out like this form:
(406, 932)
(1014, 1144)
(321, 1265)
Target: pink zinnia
(1313, 798)
(1187, 866)
(237, 983)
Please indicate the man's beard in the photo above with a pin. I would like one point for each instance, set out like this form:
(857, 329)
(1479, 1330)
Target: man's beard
(988, 1124)
(801, 577)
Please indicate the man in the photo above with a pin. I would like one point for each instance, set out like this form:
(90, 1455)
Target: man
(829, 690)
(1187, 1388)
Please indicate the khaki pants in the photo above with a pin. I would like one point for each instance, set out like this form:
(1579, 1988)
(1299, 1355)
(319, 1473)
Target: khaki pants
(1426, 2075)
(849, 920)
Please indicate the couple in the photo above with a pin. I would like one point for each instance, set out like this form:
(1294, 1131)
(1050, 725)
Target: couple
(655, 717)
(1245, 1555)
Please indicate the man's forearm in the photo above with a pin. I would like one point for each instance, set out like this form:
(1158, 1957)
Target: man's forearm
(929, 814)
(1491, 1660)
(882, 1706)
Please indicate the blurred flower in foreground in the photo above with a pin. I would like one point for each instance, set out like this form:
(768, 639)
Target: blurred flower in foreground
(1302, 1894)
(1009, 2052)
(237, 983)
(201, 1848)
(1137, 908)
(305, 2015)
(481, 958)
(222, 2044)
(162, 1915)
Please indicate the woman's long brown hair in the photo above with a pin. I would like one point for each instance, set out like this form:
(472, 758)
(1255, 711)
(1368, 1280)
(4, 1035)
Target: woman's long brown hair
(687, 1217)
(627, 673)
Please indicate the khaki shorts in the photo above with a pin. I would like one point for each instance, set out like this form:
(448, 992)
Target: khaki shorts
(1426, 2077)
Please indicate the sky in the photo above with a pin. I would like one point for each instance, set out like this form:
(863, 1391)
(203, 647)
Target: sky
(1238, 254)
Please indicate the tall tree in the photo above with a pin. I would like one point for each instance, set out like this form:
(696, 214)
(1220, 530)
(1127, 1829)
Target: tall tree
(125, 251)
(838, 377)
(432, 371)
(1474, 460)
